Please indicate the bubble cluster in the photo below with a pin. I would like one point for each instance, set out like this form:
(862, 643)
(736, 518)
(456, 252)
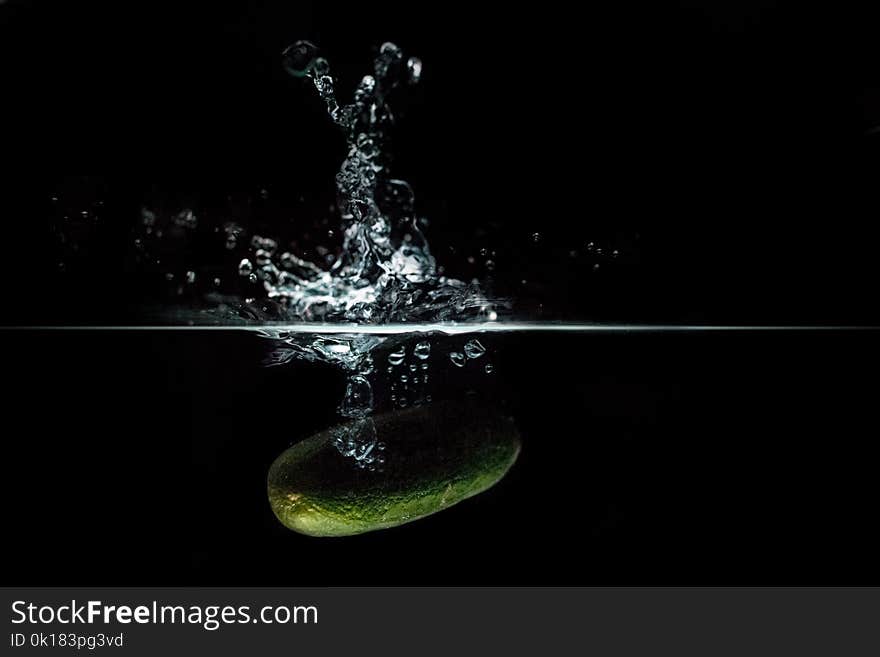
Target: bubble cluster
(358, 400)
(473, 350)
(358, 440)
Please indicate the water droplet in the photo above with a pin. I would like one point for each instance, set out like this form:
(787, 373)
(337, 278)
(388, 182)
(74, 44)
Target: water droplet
(263, 257)
(186, 219)
(321, 66)
(414, 69)
(299, 57)
(423, 350)
(245, 267)
(489, 368)
(536, 237)
(252, 278)
(458, 359)
(190, 277)
(474, 349)
(265, 244)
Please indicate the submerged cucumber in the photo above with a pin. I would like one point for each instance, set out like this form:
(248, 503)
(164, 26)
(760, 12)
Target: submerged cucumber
(434, 456)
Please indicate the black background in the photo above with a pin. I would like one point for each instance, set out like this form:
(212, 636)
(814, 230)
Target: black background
(724, 146)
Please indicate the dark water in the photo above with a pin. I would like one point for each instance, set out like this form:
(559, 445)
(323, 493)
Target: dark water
(698, 458)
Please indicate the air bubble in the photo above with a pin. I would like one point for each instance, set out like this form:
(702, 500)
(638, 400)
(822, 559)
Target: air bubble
(397, 356)
(458, 359)
(423, 350)
(358, 400)
(474, 349)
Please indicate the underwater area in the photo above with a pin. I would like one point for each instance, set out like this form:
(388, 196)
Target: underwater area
(645, 458)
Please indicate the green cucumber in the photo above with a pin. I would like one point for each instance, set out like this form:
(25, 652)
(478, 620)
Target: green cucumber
(434, 457)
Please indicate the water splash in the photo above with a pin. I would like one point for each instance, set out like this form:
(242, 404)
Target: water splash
(385, 271)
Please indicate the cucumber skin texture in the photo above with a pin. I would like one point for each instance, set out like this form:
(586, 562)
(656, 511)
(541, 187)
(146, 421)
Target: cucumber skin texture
(437, 456)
